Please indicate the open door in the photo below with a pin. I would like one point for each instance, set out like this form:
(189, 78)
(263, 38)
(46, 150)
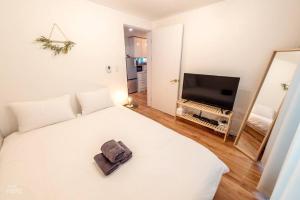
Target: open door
(165, 67)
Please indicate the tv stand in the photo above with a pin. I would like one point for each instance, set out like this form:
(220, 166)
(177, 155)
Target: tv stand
(222, 115)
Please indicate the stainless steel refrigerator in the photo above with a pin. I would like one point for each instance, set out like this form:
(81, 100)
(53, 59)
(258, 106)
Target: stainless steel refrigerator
(131, 75)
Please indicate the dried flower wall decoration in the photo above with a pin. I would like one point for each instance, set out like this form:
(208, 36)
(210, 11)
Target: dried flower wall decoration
(58, 47)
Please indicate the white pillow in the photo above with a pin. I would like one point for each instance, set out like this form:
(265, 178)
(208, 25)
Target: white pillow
(264, 111)
(37, 114)
(94, 101)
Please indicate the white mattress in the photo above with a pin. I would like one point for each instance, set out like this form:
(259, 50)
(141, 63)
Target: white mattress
(56, 162)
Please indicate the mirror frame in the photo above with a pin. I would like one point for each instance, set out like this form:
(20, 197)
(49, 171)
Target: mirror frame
(265, 140)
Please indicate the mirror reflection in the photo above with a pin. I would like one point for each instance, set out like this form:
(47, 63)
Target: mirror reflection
(260, 121)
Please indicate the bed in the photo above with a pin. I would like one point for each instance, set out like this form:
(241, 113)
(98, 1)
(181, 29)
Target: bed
(56, 162)
(261, 118)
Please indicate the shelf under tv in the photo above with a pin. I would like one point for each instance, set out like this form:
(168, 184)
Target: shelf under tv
(224, 128)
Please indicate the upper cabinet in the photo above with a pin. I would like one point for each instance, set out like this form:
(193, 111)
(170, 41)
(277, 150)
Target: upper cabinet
(144, 48)
(137, 47)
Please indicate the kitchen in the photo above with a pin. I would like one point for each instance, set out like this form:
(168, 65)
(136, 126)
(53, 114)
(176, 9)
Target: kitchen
(136, 48)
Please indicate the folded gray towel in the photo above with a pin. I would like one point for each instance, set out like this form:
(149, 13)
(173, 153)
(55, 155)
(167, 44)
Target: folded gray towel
(104, 164)
(113, 151)
(127, 154)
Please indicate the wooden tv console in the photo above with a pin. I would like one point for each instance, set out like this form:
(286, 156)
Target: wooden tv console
(212, 110)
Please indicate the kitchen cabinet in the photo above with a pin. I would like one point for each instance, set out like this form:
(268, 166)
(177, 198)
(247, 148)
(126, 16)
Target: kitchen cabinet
(142, 81)
(137, 47)
(144, 48)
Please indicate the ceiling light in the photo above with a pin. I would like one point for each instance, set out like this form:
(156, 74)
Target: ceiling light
(130, 29)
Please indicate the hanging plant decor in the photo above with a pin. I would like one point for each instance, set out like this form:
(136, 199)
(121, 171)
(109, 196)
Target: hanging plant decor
(58, 49)
(56, 46)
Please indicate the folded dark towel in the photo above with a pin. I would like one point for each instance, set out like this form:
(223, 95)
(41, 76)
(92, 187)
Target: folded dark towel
(104, 164)
(113, 151)
(127, 154)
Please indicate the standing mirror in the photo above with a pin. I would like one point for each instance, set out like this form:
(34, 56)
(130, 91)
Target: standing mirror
(263, 112)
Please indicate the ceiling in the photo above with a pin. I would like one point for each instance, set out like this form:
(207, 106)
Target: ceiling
(154, 9)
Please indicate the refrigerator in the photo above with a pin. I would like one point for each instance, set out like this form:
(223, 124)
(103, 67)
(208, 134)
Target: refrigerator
(131, 75)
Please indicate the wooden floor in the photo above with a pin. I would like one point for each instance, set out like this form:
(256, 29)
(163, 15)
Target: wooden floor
(241, 181)
(249, 143)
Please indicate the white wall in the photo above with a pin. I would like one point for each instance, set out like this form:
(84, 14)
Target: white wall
(272, 93)
(27, 72)
(237, 38)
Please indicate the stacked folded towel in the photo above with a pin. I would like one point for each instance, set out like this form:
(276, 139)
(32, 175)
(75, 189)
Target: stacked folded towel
(113, 154)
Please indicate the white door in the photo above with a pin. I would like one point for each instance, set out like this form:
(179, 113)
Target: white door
(165, 64)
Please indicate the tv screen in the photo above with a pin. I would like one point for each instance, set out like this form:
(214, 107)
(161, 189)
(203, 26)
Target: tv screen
(219, 91)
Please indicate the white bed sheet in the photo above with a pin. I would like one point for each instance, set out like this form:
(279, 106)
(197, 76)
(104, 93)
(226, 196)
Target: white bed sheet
(56, 162)
(260, 123)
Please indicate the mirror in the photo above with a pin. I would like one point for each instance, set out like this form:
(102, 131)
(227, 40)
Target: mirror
(263, 112)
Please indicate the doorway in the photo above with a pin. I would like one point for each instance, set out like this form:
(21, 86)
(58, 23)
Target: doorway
(153, 60)
(137, 54)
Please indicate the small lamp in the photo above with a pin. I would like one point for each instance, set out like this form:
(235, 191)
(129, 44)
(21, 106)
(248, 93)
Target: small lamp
(130, 102)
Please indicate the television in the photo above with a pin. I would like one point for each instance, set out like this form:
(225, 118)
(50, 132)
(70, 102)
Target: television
(219, 91)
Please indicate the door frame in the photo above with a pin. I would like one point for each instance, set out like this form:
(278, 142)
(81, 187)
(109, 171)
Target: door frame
(149, 70)
(149, 57)
(149, 63)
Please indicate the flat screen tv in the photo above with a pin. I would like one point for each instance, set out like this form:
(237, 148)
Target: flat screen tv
(219, 91)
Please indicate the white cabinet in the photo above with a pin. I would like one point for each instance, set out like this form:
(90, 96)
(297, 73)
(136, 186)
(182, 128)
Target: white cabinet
(144, 48)
(137, 47)
(142, 81)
